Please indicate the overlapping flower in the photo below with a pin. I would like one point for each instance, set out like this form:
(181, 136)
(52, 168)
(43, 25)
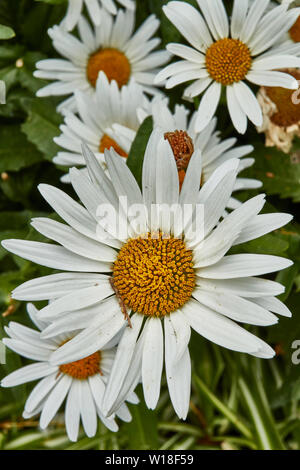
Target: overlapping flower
(142, 266)
(167, 274)
(112, 47)
(226, 54)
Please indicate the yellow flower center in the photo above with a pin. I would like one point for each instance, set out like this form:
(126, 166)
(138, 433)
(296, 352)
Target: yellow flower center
(154, 276)
(112, 62)
(83, 368)
(107, 142)
(288, 112)
(228, 61)
(295, 31)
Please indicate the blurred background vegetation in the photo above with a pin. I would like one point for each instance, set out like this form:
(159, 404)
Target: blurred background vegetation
(238, 402)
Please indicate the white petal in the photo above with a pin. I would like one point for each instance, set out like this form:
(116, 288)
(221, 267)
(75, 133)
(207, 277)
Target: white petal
(72, 411)
(122, 362)
(152, 362)
(54, 256)
(73, 14)
(187, 53)
(272, 78)
(254, 15)
(41, 390)
(273, 304)
(263, 224)
(240, 8)
(250, 287)
(131, 380)
(221, 330)
(190, 23)
(213, 248)
(238, 117)
(234, 266)
(208, 106)
(77, 300)
(28, 374)
(73, 241)
(235, 307)
(178, 374)
(55, 285)
(87, 409)
(91, 339)
(275, 62)
(54, 400)
(191, 183)
(248, 103)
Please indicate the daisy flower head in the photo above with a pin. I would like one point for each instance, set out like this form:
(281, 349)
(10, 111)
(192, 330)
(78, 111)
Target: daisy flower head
(80, 384)
(113, 47)
(226, 54)
(106, 119)
(179, 130)
(151, 284)
(281, 114)
(94, 8)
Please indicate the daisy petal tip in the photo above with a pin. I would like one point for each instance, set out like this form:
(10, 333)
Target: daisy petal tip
(7, 244)
(294, 85)
(158, 79)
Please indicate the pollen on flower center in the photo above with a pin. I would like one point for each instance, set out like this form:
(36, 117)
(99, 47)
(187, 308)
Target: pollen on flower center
(112, 62)
(83, 368)
(107, 142)
(295, 31)
(154, 276)
(228, 61)
(288, 111)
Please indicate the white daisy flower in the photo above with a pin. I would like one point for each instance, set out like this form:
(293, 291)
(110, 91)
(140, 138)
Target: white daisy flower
(106, 119)
(94, 8)
(179, 129)
(81, 383)
(162, 278)
(225, 55)
(112, 47)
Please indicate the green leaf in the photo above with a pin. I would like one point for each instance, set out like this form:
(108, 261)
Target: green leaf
(229, 414)
(8, 282)
(136, 155)
(168, 31)
(10, 76)
(42, 125)
(268, 245)
(13, 225)
(6, 32)
(10, 53)
(287, 278)
(18, 185)
(16, 151)
(260, 411)
(288, 329)
(142, 430)
(25, 72)
(279, 173)
(290, 391)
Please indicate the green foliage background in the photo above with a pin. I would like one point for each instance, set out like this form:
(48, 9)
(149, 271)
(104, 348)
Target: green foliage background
(237, 401)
